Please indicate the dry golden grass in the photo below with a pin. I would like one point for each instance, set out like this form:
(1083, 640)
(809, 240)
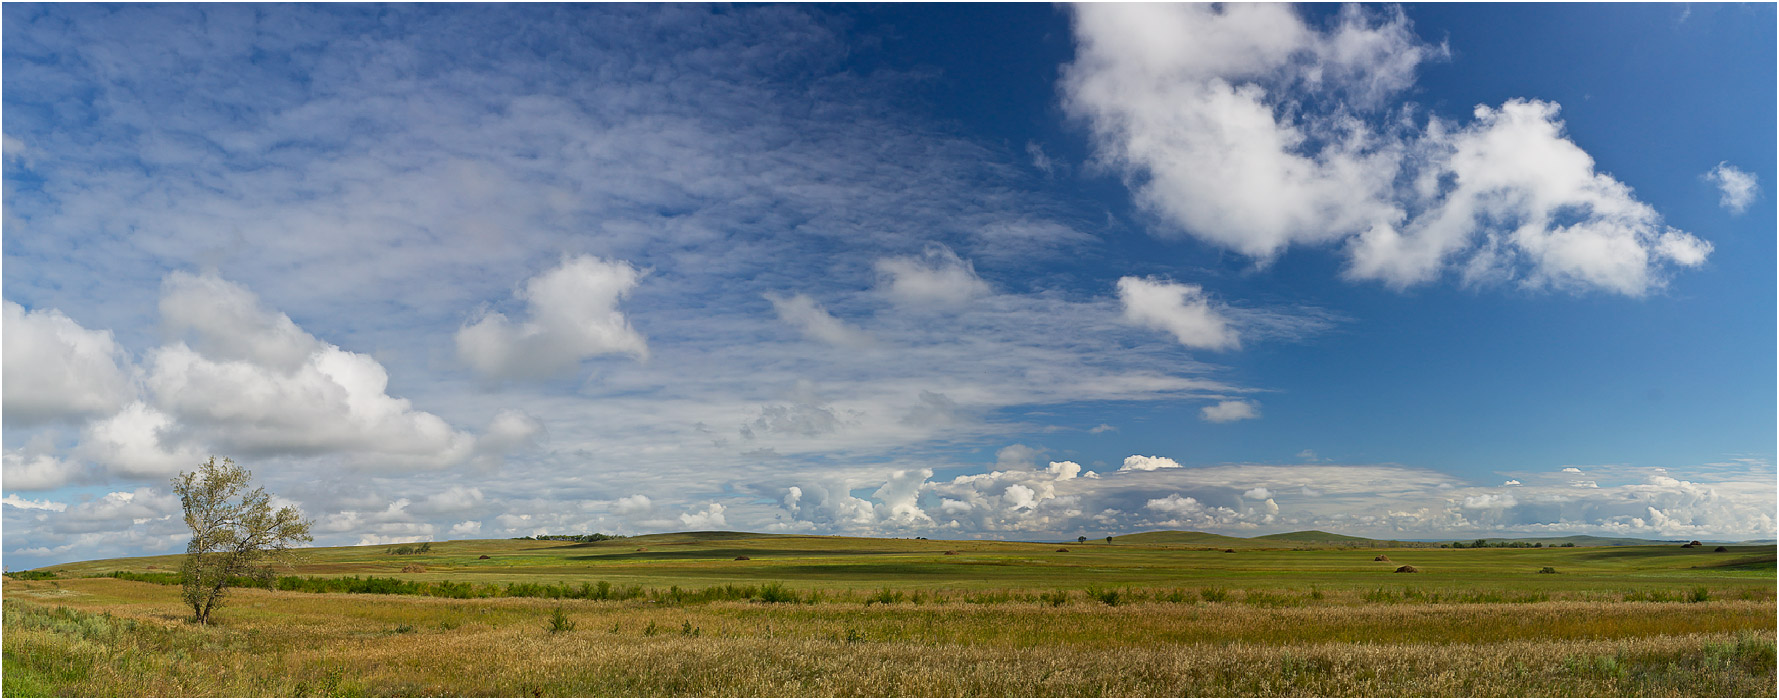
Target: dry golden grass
(282, 643)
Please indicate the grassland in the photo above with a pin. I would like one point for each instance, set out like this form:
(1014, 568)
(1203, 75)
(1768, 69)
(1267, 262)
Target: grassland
(902, 617)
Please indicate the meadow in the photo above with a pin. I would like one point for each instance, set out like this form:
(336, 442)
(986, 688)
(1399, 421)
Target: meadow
(683, 614)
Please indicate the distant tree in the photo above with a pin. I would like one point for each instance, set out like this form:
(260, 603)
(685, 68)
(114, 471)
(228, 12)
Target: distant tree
(234, 532)
(1108, 539)
(1479, 543)
(1568, 544)
(1081, 540)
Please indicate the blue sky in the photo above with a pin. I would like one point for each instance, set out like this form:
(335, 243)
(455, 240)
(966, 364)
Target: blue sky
(452, 271)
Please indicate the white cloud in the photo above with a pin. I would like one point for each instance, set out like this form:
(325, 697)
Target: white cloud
(1230, 411)
(1488, 501)
(1064, 471)
(1738, 186)
(1212, 114)
(1571, 227)
(1179, 309)
(1511, 482)
(1102, 428)
(1175, 505)
(140, 441)
(1571, 470)
(572, 315)
(258, 385)
(1257, 493)
(54, 369)
(898, 500)
(937, 278)
(511, 430)
(1040, 160)
(33, 468)
(469, 528)
(12, 499)
(710, 517)
(1147, 464)
(454, 499)
(816, 323)
(636, 504)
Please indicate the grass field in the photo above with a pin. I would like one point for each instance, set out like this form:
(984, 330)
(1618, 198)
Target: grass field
(680, 615)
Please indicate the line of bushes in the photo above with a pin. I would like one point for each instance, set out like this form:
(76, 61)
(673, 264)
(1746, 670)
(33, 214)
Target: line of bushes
(601, 590)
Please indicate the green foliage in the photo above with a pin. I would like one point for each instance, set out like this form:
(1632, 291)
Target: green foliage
(1213, 594)
(1548, 570)
(234, 533)
(885, 597)
(1055, 598)
(36, 575)
(559, 622)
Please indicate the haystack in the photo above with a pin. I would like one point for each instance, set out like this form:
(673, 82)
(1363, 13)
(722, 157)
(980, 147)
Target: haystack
(642, 549)
(741, 558)
(1064, 549)
(484, 557)
(1720, 548)
(1695, 543)
(1229, 551)
(413, 569)
(1406, 569)
(949, 552)
(1380, 557)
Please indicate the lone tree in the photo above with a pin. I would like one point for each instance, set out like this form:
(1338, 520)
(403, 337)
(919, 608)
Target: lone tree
(234, 532)
(1082, 539)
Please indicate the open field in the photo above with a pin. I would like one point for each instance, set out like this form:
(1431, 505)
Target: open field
(900, 617)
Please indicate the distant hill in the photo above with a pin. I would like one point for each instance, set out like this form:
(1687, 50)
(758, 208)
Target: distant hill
(1315, 538)
(1187, 537)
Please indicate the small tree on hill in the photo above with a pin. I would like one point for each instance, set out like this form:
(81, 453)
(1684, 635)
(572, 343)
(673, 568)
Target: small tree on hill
(1081, 540)
(234, 532)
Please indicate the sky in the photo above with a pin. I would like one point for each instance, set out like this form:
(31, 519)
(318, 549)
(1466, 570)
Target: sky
(953, 271)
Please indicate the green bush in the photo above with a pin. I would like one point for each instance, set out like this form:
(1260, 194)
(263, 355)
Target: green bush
(1213, 595)
(559, 622)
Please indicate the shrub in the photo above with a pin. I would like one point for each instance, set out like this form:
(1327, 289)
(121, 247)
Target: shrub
(885, 597)
(1548, 570)
(559, 622)
(1698, 595)
(1055, 598)
(37, 575)
(1213, 595)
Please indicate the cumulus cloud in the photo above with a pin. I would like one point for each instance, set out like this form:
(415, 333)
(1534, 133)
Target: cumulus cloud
(55, 369)
(1180, 309)
(636, 504)
(1487, 501)
(1102, 428)
(1570, 227)
(259, 385)
(710, 517)
(1230, 411)
(33, 468)
(816, 323)
(140, 441)
(469, 528)
(1571, 470)
(1147, 464)
(1258, 493)
(936, 278)
(572, 315)
(1247, 127)
(1738, 186)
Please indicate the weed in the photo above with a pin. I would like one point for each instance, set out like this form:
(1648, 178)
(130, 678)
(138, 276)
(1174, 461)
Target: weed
(1213, 594)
